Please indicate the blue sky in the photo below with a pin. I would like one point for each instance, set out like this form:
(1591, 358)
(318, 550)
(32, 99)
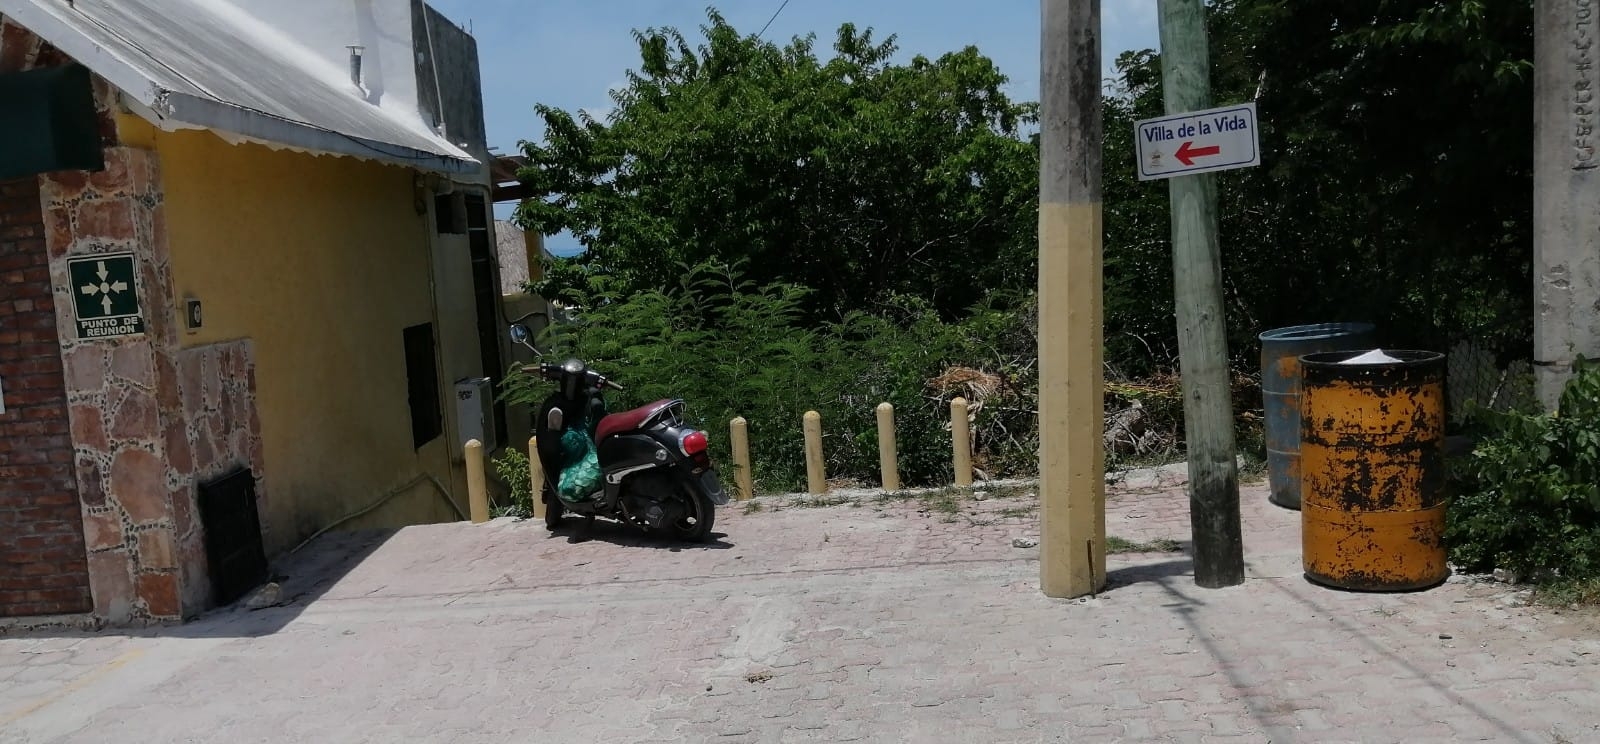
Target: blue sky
(569, 53)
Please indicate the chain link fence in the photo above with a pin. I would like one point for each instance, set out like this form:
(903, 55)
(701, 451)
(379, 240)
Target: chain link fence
(1479, 375)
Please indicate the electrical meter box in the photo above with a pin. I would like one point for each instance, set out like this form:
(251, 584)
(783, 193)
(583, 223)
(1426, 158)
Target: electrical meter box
(475, 411)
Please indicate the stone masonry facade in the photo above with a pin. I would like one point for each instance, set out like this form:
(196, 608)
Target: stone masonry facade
(125, 428)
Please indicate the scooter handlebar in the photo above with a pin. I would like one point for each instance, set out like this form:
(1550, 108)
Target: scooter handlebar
(553, 372)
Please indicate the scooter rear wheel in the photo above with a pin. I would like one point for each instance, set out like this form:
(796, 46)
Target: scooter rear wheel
(696, 526)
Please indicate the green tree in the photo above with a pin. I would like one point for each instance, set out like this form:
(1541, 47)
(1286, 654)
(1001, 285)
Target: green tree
(1396, 183)
(854, 177)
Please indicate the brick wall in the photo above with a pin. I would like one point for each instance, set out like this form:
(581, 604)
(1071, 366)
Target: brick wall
(43, 567)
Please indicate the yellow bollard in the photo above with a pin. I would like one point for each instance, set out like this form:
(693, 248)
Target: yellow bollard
(816, 479)
(536, 476)
(477, 483)
(739, 438)
(961, 441)
(887, 461)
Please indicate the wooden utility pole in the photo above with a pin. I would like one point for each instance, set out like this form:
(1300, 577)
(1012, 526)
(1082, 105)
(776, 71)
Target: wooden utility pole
(1202, 328)
(1072, 555)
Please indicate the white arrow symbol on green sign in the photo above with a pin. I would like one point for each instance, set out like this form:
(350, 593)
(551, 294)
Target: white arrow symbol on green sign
(105, 289)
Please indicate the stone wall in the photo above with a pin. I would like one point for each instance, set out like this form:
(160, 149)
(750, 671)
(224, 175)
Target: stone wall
(42, 565)
(150, 421)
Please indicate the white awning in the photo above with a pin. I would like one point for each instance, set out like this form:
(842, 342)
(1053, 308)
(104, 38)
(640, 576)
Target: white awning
(207, 64)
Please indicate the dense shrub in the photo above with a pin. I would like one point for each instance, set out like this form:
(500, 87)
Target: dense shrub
(1528, 497)
(731, 348)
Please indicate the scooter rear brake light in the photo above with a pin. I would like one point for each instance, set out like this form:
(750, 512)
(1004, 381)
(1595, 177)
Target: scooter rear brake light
(693, 443)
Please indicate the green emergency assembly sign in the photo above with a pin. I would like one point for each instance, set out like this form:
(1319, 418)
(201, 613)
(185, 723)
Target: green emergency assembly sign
(105, 295)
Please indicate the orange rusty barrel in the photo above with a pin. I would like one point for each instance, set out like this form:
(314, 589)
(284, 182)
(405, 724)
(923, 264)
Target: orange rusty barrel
(1372, 469)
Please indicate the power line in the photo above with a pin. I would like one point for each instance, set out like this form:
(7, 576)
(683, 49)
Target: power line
(774, 17)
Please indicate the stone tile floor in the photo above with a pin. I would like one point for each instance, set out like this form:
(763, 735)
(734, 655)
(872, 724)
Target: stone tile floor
(859, 621)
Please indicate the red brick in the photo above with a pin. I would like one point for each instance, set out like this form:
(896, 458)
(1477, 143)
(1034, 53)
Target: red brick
(57, 498)
(58, 596)
(21, 230)
(41, 434)
(30, 543)
(74, 580)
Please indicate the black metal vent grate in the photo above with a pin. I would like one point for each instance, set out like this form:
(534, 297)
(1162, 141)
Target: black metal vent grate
(234, 550)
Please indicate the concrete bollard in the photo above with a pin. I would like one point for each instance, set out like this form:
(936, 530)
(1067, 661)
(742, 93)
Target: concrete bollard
(961, 441)
(888, 461)
(739, 438)
(816, 478)
(536, 476)
(477, 483)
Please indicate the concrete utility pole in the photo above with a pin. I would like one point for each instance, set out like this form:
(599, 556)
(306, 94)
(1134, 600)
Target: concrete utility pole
(1072, 545)
(1202, 331)
(1566, 191)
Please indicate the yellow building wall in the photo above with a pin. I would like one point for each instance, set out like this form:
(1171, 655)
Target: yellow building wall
(321, 261)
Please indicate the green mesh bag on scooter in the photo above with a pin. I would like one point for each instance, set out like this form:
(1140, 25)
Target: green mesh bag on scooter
(581, 476)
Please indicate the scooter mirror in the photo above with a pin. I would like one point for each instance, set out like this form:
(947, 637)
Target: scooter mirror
(521, 335)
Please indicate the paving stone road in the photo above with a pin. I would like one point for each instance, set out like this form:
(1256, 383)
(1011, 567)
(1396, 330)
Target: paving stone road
(853, 622)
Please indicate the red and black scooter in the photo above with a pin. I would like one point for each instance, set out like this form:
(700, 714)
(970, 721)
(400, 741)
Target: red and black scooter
(654, 470)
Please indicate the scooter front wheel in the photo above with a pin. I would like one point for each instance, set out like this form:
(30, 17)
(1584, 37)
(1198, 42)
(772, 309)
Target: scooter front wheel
(554, 510)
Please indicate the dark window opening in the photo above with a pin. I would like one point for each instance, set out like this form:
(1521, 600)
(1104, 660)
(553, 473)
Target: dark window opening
(486, 294)
(234, 550)
(447, 214)
(422, 385)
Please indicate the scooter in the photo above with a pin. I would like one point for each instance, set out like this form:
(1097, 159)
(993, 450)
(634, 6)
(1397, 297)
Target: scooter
(643, 467)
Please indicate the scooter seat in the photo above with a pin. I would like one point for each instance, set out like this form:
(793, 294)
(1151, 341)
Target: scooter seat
(617, 423)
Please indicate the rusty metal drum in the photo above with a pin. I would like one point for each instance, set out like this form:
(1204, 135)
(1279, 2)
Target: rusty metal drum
(1372, 474)
(1281, 349)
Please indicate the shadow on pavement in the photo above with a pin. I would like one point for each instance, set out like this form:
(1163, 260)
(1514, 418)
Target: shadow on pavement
(1188, 608)
(1511, 732)
(302, 578)
(625, 536)
(1143, 570)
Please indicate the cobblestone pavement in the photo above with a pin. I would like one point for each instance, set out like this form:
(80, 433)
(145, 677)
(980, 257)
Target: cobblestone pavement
(860, 621)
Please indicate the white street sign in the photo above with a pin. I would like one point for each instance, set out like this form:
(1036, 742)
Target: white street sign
(1198, 142)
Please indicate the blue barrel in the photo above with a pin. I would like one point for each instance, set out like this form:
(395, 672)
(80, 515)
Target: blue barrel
(1281, 349)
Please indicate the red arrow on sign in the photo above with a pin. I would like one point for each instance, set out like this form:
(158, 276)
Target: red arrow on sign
(1187, 154)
